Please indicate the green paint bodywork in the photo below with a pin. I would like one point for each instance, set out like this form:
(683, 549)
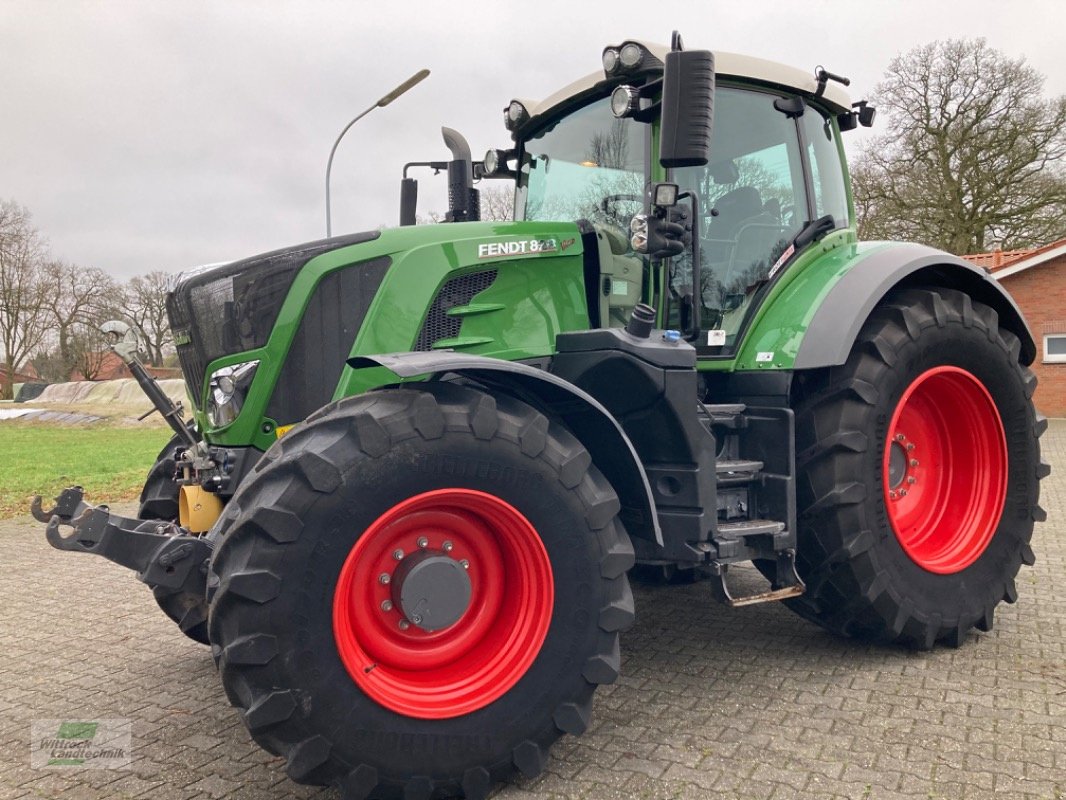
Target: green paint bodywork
(785, 314)
(535, 297)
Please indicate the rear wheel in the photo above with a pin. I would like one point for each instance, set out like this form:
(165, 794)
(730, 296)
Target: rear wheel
(418, 591)
(919, 469)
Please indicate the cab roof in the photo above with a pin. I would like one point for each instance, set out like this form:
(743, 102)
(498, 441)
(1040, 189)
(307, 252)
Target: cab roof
(726, 65)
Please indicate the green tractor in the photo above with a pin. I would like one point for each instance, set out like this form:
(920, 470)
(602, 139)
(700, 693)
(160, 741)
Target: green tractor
(424, 459)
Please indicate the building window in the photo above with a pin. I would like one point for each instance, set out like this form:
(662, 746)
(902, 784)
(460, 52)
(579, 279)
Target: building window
(1055, 348)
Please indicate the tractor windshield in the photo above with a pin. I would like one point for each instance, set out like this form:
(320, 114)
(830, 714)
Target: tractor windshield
(588, 165)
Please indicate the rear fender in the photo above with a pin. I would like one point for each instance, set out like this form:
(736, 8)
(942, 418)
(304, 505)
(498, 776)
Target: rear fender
(611, 450)
(846, 307)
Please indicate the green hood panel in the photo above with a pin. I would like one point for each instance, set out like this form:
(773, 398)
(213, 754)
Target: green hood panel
(530, 288)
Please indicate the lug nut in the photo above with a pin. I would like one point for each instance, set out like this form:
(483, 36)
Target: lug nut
(892, 494)
(397, 554)
(448, 547)
(902, 492)
(386, 605)
(464, 564)
(911, 479)
(404, 624)
(423, 542)
(384, 578)
(900, 437)
(914, 462)
(910, 445)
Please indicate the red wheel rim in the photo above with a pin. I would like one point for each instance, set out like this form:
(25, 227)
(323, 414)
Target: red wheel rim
(464, 666)
(945, 470)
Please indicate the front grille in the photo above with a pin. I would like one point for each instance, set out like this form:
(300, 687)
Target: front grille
(456, 292)
(230, 309)
(324, 339)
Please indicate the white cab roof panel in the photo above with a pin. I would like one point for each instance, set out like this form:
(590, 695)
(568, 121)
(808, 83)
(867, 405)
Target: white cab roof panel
(732, 65)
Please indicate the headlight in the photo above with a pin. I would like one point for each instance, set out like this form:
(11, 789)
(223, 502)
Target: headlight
(610, 60)
(638, 226)
(227, 389)
(631, 55)
(624, 101)
(515, 115)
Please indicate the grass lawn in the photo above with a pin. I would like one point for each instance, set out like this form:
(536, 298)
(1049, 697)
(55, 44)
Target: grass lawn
(110, 462)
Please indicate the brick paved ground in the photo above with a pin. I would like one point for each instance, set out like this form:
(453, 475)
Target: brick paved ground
(751, 703)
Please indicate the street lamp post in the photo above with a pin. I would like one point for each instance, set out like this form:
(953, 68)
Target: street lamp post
(419, 76)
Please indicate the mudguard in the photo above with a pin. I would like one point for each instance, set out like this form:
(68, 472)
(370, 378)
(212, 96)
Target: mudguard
(835, 326)
(611, 450)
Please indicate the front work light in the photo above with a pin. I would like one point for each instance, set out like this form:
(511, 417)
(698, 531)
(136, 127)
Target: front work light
(515, 115)
(624, 101)
(665, 195)
(638, 226)
(631, 55)
(610, 60)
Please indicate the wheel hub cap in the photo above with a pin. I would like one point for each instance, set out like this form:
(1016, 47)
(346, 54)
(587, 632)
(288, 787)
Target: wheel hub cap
(433, 590)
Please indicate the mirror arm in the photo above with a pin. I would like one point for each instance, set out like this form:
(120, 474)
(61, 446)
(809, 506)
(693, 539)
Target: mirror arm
(697, 266)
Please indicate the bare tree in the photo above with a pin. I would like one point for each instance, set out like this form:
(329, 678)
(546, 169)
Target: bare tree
(973, 155)
(77, 299)
(89, 349)
(23, 316)
(497, 202)
(610, 149)
(144, 301)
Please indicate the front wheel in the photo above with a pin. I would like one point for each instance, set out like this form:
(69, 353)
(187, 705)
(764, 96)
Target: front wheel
(159, 501)
(417, 591)
(918, 474)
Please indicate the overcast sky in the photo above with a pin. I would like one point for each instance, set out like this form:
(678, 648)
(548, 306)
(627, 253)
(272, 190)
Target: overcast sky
(148, 135)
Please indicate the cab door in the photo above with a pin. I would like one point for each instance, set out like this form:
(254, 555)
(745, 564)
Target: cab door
(774, 167)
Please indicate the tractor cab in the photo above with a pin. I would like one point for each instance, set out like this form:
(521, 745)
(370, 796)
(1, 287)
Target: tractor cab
(774, 167)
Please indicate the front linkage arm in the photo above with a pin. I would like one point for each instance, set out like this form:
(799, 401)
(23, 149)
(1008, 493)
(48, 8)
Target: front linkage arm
(124, 344)
(161, 553)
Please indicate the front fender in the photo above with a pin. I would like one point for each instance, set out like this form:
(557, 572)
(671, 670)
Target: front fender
(611, 450)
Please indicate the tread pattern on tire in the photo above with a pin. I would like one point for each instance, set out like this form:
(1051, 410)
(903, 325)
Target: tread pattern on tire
(159, 500)
(848, 591)
(264, 517)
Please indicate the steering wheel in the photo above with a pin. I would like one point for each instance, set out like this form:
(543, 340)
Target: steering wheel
(614, 198)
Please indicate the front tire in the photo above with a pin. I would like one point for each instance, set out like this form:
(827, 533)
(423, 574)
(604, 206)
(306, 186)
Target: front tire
(159, 500)
(918, 474)
(314, 629)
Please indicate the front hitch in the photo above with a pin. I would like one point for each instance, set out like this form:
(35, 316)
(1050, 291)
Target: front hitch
(163, 554)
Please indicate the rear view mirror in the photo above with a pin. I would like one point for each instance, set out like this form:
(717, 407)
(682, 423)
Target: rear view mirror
(687, 108)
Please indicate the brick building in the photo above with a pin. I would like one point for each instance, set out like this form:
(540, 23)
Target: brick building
(1037, 280)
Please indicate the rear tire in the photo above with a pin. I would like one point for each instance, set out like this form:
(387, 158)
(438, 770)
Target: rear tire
(321, 667)
(918, 474)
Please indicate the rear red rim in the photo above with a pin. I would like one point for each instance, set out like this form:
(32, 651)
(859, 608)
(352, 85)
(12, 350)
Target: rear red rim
(945, 470)
(469, 663)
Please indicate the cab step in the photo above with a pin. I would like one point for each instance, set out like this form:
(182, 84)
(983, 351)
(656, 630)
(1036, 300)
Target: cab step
(749, 527)
(737, 471)
(787, 584)
(726, 415)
